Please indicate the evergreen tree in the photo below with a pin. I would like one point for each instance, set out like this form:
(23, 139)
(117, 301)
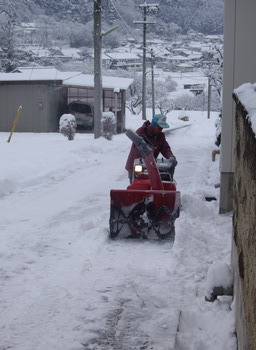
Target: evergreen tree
(8, 60)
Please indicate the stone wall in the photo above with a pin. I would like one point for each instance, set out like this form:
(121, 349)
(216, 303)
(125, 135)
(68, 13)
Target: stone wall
(244, 229)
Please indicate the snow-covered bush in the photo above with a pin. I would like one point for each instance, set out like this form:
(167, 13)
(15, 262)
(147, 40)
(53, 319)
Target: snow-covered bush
(67, 126)
(108, 125)
(219, 281)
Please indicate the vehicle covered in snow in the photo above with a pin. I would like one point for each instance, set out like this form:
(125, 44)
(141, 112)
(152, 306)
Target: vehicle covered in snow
(83, 112)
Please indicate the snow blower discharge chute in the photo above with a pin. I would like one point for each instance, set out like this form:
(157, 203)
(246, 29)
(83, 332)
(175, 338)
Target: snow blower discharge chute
(150, 205)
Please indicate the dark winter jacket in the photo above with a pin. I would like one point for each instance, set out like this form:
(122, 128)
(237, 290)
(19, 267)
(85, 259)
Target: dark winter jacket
(157, 141)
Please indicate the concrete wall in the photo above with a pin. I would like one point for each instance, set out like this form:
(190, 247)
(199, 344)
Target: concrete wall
(239, 68)
(244, 233)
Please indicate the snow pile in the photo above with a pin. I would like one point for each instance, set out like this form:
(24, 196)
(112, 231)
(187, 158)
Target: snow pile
(31, 159)
(67, 126)
(184, 115)
(219, 276)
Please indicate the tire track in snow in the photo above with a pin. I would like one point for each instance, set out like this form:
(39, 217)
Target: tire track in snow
(135, 304)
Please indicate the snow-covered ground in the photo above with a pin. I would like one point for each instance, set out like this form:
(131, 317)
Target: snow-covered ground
(66, 286)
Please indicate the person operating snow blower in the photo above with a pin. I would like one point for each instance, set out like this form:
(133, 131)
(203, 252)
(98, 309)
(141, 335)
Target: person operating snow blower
(152, 134)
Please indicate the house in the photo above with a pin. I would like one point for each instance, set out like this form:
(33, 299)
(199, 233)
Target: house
(164, 65)
(181, 51)
(52, 54)
(122, 60)
(194, 46)
(45, 93)
(196, 89)
(184, 67)
(175, 61)
(214, 38)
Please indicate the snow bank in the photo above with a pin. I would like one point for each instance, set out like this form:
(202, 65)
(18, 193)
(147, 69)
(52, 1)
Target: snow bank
(219, 275)
(246, 94)
(30, 158)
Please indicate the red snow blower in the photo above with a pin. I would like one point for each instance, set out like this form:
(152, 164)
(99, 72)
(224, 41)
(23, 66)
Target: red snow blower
(149, 206)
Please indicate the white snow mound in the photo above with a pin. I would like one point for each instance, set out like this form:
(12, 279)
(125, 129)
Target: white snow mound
(219, 275)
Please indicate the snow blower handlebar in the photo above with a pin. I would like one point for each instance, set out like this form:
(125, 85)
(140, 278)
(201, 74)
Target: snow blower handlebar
(141, 145)
(146, 152)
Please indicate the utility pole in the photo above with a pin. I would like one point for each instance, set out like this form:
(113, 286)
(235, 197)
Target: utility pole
(152, 82)
(209, 96)
(98, 34)
(144, 78)
(97, 69)
(147, 9)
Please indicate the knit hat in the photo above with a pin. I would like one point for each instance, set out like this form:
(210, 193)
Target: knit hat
(159, 120)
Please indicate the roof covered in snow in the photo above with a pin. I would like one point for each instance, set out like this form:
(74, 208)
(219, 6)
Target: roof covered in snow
(107, 82)
(180, 58)
(68, 78)
(119, 56)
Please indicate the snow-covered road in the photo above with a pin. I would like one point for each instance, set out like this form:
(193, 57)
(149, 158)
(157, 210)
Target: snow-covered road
(66, 286)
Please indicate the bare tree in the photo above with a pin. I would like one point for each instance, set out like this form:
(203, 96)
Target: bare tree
(134, 96)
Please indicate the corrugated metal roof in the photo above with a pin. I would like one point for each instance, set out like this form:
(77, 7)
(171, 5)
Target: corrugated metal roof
(68, 78)
(107, 82)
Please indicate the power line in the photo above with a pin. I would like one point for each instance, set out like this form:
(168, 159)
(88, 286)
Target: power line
(38, 50)
(146, 9)
(121, 18)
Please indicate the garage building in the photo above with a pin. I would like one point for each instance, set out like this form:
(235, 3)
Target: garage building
(46, 93)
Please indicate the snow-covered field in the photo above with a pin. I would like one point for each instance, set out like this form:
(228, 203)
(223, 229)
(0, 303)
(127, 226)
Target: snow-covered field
(66, 286)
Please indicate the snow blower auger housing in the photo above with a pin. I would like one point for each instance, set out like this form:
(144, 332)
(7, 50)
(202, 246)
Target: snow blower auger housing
(150, 205)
